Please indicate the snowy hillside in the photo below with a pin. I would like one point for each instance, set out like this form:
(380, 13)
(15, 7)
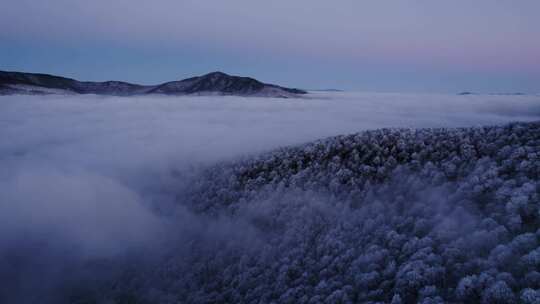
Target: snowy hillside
(385, 216)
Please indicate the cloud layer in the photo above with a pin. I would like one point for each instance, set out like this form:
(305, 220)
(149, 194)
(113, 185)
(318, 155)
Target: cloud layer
(90, 177)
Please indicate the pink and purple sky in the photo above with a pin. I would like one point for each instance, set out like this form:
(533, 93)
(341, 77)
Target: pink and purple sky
(374, 45)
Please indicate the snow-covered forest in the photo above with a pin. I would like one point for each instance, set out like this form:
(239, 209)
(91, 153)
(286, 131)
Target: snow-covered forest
(385, 216)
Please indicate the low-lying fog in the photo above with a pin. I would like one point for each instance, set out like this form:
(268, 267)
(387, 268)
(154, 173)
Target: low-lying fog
(82, 177)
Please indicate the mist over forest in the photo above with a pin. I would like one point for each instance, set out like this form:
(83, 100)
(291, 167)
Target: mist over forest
(335, 197)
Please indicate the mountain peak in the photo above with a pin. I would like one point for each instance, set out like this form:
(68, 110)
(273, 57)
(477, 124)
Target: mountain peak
(224, 84)
(216, 73)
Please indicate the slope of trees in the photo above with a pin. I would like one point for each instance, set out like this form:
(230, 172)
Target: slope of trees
(385, 216)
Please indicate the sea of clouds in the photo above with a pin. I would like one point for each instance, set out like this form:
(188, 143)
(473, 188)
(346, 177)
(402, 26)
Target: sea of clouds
(85, 178)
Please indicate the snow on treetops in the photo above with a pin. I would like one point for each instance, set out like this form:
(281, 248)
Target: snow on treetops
(384, 216)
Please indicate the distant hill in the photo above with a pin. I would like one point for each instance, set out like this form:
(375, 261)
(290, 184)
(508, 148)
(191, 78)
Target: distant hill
(216, 83)
(501, 94)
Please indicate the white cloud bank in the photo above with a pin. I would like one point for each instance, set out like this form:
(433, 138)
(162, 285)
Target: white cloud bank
(67, 152)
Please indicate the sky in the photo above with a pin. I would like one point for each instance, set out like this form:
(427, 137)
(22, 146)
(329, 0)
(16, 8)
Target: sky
(489, 46)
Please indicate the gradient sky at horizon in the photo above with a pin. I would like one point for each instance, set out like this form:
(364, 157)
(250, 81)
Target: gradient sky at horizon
(373, 45)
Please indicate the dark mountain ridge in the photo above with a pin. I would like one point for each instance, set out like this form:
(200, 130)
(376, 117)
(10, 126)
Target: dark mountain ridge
(221, 83)
(216, 83)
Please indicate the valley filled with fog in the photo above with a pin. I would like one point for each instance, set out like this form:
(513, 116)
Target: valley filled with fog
(91, 186)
